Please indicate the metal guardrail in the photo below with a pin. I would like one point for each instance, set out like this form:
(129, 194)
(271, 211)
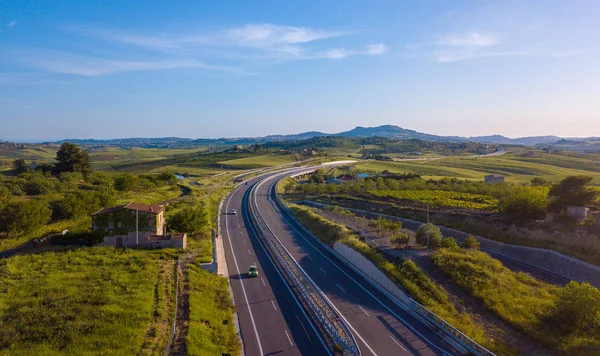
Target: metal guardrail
(450, 330)
(421, 310)
(317, 306)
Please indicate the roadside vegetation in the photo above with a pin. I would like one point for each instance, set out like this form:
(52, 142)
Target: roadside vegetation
(566, 319)
(405, 273)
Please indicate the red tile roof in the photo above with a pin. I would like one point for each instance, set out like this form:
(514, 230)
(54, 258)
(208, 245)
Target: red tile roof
(149, 208)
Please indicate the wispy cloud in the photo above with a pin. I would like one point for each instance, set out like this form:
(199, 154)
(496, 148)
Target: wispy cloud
(377, 49)
(68, 63)
(370, 50)
(472, 39)
(11, 24)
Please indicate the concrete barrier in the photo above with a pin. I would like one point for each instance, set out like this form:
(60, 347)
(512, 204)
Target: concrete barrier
(549, 260)
(368, 268)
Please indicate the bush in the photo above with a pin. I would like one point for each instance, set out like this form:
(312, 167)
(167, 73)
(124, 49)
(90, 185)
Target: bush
(83, 203)
(450, 243)
(21, 217)
(578, 310)
(435, 235)
(525, 202)
(471, 242)
(126, 182)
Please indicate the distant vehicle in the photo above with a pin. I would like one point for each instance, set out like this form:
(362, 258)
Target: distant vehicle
(252, 271)
(233, 212)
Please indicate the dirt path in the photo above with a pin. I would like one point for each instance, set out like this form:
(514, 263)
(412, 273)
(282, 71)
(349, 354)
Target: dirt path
(178, 347)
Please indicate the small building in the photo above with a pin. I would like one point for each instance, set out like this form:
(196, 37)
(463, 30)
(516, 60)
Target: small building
(578, 212)
(493, 179)
(136, 225)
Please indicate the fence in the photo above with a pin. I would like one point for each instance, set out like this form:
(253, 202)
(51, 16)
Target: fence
(307, 291)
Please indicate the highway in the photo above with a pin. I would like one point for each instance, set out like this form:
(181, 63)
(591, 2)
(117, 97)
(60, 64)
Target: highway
(271, 322)
(379, 325)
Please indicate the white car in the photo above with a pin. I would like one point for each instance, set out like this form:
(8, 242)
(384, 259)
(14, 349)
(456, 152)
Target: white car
(233, 212)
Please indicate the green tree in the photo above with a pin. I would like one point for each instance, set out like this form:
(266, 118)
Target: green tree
(578, 309)
(471, 242)
(22, 217)
(539, 181)
(435, 235)
(525, 202)
(126, 182)
(20, 166)
(191, 220)
(71, 158)
(572, 191)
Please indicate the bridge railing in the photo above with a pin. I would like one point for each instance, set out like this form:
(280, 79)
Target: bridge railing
(306, 290)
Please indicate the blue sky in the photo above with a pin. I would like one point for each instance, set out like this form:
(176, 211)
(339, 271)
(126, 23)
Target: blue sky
(107, 69)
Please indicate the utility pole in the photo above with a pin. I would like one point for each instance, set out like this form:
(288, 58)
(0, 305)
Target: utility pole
(137, 233)
(428, 223)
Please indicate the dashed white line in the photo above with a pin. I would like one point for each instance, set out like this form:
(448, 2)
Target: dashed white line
(340, 288)
(262, 280)
(307, 256)
(288, 336)
(244, 241)
(242, 284)
(364, 311)
(397, 343)
(322, 270)
(274, 307)
(249, 252)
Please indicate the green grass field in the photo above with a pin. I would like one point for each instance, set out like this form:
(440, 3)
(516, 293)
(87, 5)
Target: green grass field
(517, 168)
(269, 160)
(80, 302)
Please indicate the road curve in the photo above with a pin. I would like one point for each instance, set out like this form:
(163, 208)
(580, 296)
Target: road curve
(271, 321)
(378, 324)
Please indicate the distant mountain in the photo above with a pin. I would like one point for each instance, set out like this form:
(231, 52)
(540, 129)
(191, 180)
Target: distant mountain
(385, 131)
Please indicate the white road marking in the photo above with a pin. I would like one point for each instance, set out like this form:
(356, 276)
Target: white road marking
(397, 343)
(369, 293)
(340, 288)
(242, 284)
(307, 256)
(249, 252)
(274, 307)
(364, 311)
(322, 270)
(244, 241)
(288, 336)
(264, 284)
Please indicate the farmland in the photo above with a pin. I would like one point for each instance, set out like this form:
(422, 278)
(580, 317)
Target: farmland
(438, 198)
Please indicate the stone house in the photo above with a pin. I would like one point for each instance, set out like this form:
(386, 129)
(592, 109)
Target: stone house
(578, 212)
(136, 225)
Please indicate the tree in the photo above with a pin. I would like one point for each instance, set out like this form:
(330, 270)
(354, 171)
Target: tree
(20, 166)
(191, 220)
(538, 181)
(22, 217)
(449, 242)
(578, 309)
(572, 191)
(126, 182)
(471, 242)
(71, 158)
(525, 202)
(435, 235)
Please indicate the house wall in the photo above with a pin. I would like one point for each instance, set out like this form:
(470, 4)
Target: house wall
(578, 212)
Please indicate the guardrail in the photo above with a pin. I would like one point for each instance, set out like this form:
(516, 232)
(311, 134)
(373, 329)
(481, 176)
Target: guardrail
(420, 310)
(316, 304)
(450, 330)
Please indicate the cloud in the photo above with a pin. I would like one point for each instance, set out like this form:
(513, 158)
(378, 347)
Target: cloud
(11, 24)
(472, 39)
(68, 63)
(377, 49)
(268, 35)
(335, 54)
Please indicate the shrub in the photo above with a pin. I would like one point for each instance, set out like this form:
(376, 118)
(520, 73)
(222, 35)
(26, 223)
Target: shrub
(24, 216)
(435, 235)
(449, 242)
(471, 242)
(578, 310)
(191, 220)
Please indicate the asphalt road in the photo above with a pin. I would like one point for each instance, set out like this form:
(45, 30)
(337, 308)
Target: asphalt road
(379, 325)
(271, 321)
